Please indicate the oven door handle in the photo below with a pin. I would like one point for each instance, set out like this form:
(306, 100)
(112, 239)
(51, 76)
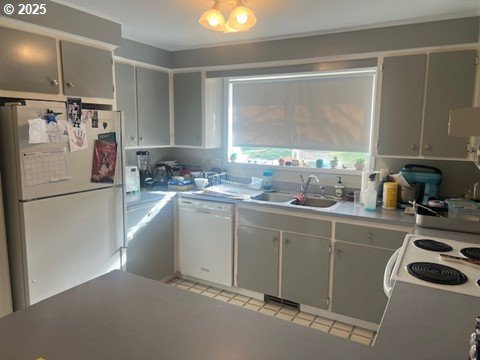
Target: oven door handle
(387, 275)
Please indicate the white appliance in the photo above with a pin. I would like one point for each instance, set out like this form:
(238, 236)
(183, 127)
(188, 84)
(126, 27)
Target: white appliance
(5, 292)
(205, 238)
(421, 255)
(132, 179)
(62, 229)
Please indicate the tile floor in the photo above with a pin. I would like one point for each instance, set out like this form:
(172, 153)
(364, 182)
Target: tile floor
(287, 313)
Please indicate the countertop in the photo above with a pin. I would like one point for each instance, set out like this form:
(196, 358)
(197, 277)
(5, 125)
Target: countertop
(123, 316)
(345, 209)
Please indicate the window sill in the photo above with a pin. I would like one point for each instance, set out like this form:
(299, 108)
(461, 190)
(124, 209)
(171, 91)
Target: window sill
(297, 169)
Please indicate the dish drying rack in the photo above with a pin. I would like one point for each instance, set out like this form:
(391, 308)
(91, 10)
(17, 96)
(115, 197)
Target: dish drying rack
(233, 186)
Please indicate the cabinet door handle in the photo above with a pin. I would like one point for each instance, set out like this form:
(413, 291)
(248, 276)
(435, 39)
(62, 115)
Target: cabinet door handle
(54, 82)
(132, 137)
(140, 138)
(413, 147)
(428, 147)
(286, 241)
(369, 236)
(338, 252)
(70, 84)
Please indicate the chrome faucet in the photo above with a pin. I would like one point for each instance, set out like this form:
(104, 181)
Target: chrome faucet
(305, 183)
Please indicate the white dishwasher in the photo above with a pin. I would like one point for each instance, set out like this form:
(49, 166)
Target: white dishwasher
(205, 240)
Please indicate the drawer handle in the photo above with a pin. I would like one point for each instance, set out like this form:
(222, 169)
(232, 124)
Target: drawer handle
(369, 236)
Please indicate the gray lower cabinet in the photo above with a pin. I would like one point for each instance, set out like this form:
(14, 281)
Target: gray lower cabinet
(305, 269)
(126, 100)
(150, 240)
(153, 113)
(188, 109)
(450, 85)
(87, 71)
(401, 107)
(257, 261)
(28, 62)
(358, 281)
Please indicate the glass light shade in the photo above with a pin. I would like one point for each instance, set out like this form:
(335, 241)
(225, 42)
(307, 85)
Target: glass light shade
(212, 19)
(241, 19)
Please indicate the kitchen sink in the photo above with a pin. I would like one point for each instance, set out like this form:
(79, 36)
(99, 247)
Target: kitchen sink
(316, 202)
(273, 197)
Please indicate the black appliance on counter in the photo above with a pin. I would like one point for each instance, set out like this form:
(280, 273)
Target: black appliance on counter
(162, 174)
(143, 160)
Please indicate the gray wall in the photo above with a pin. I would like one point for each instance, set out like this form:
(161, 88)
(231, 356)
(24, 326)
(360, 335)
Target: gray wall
(458, 176)
(155, 155)
(144, 53)
(63, 18)
(436, 33)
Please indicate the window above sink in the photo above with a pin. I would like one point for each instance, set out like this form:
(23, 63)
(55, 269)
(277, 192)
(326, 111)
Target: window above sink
(318, 120)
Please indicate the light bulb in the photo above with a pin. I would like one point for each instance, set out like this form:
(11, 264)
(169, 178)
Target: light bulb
(213, 21)
(242, 18)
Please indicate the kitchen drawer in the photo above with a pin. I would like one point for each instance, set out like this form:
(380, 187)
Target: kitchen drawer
(296, 224)
(367, 235)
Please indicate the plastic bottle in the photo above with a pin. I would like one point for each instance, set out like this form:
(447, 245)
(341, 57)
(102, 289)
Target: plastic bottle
(267, 179)
(370, 197)
(339, 188)
(389, 198)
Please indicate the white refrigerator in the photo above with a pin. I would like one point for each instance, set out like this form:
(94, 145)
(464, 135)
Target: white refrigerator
(62, 228)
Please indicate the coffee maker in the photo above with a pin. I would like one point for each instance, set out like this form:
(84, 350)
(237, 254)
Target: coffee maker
(163, 173)
(143, 160)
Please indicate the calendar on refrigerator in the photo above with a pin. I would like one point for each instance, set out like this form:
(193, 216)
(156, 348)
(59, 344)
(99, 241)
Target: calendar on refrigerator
(46, 166)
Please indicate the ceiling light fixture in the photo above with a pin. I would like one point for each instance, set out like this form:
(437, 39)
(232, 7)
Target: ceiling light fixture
(241, 18)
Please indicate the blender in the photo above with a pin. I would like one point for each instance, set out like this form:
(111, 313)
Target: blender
(143, 160)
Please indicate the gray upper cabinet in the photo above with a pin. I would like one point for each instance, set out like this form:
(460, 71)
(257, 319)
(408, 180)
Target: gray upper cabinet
(126, 102)
(188, 109)
(305, 269)
(414, 122)
(358, 281)
(153, 111)
(28, 62)
(87, 71)
(257, 264)
(401, 109)
(450, 85)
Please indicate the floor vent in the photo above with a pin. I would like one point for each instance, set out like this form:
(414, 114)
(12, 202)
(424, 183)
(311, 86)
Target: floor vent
(270, 298)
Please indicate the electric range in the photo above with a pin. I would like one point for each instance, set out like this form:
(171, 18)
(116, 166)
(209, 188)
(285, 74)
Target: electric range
(419, 262)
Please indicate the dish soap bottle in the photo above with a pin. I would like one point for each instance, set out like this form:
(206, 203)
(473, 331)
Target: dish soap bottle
(339, 188)
(370, 196)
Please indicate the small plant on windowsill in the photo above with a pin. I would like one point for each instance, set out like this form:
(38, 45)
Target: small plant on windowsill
(334, 162)
(359, 164)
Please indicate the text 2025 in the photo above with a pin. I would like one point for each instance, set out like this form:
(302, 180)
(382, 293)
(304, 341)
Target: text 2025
(32, 9)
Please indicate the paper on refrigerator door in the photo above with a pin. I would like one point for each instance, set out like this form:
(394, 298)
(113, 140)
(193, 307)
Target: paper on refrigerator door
(43, 167)
(37, 131)
(57, 131)
(77, 136)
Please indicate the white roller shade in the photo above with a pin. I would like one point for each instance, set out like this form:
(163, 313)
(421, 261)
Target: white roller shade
(319, 112)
